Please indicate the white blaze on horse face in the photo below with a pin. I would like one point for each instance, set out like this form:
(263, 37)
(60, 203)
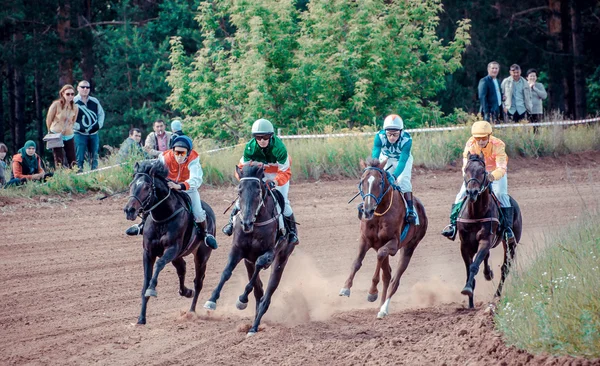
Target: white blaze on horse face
(370, 181)
(139, 182)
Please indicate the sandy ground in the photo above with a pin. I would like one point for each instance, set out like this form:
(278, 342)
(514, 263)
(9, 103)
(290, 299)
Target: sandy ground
(71, 283)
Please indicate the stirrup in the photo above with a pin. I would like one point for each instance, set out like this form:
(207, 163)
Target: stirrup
(134, 230)
(411, 216)
(227, 229)
(449, 232)
(210, 241)
(293, 238)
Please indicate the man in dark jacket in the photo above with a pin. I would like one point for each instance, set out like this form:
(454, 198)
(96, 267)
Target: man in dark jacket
(490, 95)
(90, 119)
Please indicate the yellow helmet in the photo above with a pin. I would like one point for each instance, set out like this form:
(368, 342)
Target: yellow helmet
(481, 129)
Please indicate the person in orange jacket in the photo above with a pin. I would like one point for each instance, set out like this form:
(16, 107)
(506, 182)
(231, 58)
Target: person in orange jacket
(27, 166)
(496, 163)
(185, 174)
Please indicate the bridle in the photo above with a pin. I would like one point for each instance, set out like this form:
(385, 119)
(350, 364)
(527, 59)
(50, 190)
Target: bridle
(150, 198)
(261, 204)
(484, 183)
(382, 190)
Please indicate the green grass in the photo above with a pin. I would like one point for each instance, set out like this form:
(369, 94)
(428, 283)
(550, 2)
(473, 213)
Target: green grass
(553, 305)
(330, 158)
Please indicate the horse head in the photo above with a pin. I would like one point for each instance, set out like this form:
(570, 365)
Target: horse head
(475, 176)
(373, 185)
(142, 189)
(251, 192)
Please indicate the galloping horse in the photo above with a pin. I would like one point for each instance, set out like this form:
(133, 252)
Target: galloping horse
(256, 240)
(380, 229)
(479, 226)
(169, 233)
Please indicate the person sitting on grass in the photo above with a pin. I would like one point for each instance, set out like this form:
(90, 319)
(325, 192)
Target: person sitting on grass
(27, 166)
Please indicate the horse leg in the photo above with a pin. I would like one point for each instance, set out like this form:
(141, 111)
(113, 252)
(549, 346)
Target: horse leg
(506, 264)
(254, 281)
(383, 263)
(258, 285)
(168, 256)
(484, 250)
(148, 261)
(362, 251)
(276, 272)
(386, 276)
(487, 270)
(373, 293)
(406, 253)
(235, 256)
(179, 265)
(468, 259)
(200, 266)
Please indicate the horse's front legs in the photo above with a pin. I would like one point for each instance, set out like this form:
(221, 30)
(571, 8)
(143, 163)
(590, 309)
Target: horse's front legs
(148, 260)
(473, 269)
(276, 273)
(262, 262)
(179, 265)
(362, 251)
(258, 285)
(235, 256)
(390, 248)
(200, 266)
(169, 255)
(406, 253)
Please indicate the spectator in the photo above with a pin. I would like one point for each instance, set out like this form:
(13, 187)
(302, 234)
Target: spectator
(60, 119)
(176, 129)
(3, 152)
(517, 95)
(132, 146)
(490, 95)
(26, 166)
(538, 94)
(157, 141)
(90, 119)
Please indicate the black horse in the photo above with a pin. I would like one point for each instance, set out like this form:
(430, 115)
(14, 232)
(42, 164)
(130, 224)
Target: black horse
(257, 241)
(169, 232)
(480, 229)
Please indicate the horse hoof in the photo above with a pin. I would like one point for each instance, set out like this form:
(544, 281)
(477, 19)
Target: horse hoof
(488, 276)
(345, 292)
(188, 293)
(210, 305)
(250, 334)
(141, 321)
(241, 305)
(381, 315)
(468, 291)
(151, 292)
(371, 297)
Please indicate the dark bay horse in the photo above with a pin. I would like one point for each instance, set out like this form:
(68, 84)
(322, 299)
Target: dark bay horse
(479, 226)
(256, 240)
(384, 229)
(169, 232)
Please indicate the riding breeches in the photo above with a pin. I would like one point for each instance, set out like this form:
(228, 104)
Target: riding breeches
(499, 187)
(404, 179)
(199, 213)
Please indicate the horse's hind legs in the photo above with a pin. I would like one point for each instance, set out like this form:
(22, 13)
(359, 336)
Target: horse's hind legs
(487, 270)
(506, 265)
(235, 256)
(405, 257)
(200, 266)
(179, 264)
(148, 261)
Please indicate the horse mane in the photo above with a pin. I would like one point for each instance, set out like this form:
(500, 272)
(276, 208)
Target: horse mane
(475, 157)
(152, 168)
(372, 162)
(252, 170)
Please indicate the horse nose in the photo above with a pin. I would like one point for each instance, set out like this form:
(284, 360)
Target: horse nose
(472, 194)
(247, 227)
(130, 212)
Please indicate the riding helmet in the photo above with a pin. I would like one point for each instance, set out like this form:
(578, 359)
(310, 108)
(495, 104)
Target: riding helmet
(481, 129)
(393, 122)
(183, 141)
(262, 127)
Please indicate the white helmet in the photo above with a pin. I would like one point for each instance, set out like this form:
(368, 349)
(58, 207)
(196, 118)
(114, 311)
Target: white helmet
(393, 122)
(262, 127)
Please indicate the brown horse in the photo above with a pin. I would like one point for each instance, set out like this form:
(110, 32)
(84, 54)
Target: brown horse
(383, 228)
(257, 241)
(169, 232)
(479, 226)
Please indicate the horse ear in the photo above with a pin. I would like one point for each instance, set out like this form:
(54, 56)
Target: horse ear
(382, 163)
(154, 168)
(136, 167)
(362, 164)
(238, 171)
(469, 155)
(481, 156)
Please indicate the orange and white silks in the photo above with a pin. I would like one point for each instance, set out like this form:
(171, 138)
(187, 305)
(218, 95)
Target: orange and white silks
(496, 160)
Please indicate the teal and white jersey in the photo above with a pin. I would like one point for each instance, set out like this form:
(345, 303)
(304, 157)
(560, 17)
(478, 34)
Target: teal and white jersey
(398, 151)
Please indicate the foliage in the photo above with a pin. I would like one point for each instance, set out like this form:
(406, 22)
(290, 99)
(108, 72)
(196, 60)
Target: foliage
(553, 305)
(337, 64)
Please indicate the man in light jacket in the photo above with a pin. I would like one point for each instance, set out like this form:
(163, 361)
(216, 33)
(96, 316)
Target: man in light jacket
(157, 141)
(90, 119)
(517, 95)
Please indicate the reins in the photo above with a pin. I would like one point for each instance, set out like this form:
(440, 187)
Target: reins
(262, 203)
(150, 198)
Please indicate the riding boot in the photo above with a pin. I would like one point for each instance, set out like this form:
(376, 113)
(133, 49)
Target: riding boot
(360, 210)
(209, 239)
(450, 230)
(509, 215)
(228, 229)
(293, 233)
(137, 229)
(411, 215)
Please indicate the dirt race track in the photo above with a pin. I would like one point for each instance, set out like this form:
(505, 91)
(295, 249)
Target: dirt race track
(71, 283)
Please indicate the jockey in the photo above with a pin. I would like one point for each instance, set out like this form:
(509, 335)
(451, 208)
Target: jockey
(496, 164)
(185, 173)
(266, 148)
(394, 144)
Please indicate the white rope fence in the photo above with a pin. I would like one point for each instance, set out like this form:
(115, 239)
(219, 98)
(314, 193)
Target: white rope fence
(413, 130)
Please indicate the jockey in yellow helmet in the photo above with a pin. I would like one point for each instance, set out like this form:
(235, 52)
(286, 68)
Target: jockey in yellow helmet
(496, 161)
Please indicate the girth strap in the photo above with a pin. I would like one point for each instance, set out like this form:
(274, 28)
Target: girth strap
(474, 221)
